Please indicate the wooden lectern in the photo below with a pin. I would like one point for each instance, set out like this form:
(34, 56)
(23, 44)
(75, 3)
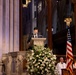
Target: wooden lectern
(66, 72)
(39, 41)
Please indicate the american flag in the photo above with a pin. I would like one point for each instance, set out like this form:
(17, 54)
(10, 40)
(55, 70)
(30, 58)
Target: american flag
(69, 54)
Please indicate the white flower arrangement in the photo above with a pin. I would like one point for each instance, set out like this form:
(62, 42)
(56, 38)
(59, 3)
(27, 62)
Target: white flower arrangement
(41, 61)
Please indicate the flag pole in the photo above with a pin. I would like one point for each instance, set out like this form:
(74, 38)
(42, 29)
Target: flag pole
(69, 54)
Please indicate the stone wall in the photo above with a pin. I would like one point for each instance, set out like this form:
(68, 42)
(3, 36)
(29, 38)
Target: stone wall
(9, 26)
(13, 63)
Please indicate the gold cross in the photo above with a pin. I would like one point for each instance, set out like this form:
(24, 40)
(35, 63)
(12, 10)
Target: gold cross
(68, 21)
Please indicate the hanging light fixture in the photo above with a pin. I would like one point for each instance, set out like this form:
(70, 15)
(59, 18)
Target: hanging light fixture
(26, 2)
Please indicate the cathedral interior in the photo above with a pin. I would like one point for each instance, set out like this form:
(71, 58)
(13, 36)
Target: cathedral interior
(17, 21)
(55, 13)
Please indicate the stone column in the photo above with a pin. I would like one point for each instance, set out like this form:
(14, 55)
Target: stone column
(11, 26)
(49, 22)
(6, 26)
(10, 30)
(1, 34)
(1, 22)
(16, 25)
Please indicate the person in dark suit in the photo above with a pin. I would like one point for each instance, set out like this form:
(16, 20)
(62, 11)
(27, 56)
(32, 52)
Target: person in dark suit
(35, 34)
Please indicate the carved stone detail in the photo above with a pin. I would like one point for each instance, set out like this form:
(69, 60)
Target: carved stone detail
(9, 65)
(13, 63)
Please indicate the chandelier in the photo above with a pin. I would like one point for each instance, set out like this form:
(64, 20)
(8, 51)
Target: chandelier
(25, 3)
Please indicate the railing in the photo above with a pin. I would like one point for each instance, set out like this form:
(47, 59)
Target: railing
(13, 63)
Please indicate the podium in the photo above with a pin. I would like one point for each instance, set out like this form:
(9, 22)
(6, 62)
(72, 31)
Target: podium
(39, 41)
(66, 72)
